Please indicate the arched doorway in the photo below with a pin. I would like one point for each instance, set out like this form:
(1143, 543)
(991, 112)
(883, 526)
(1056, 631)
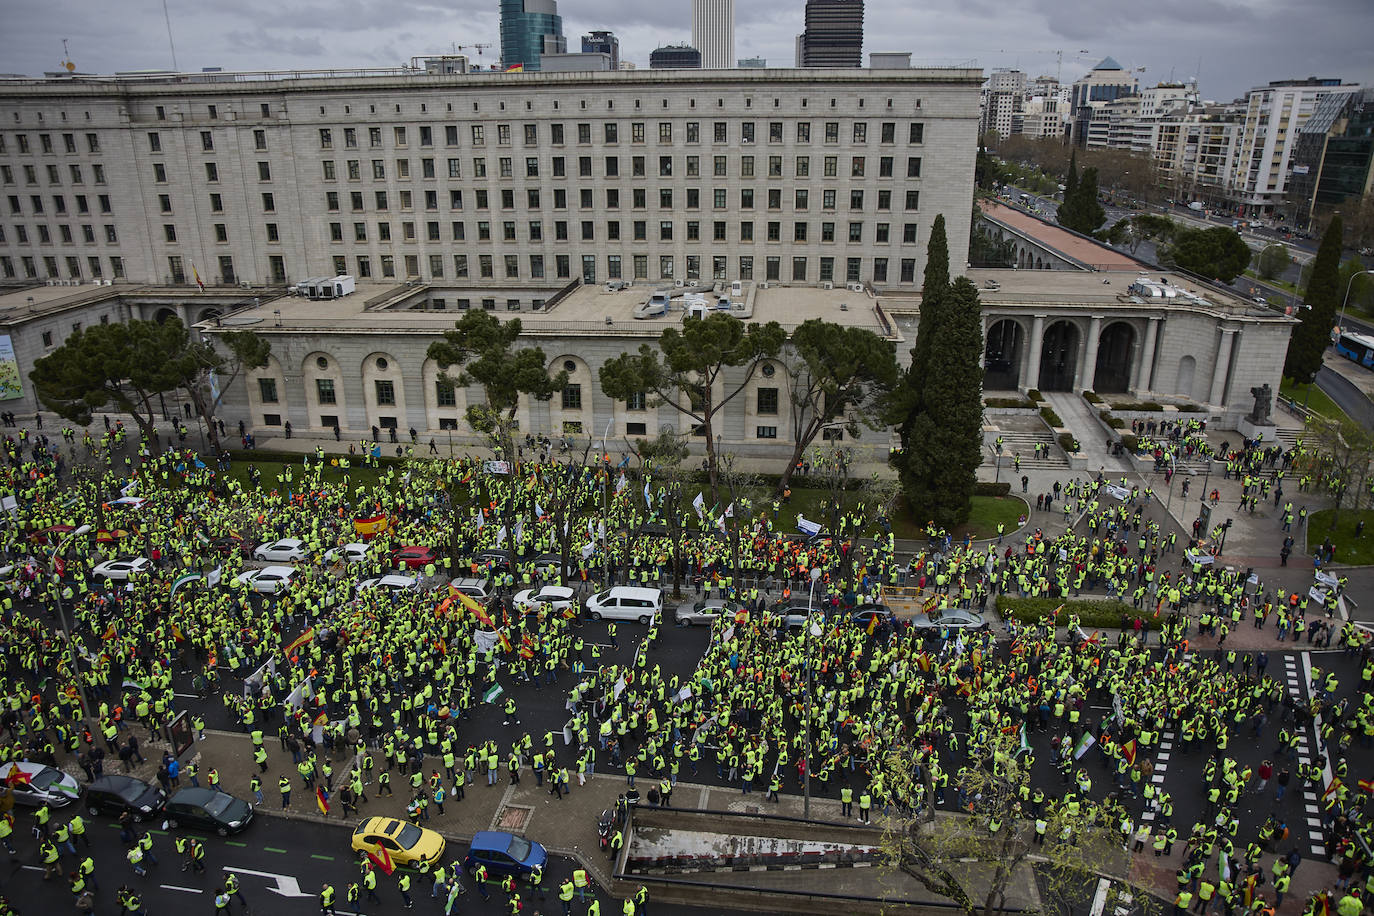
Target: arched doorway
(1002, 356)
(1059, 357)
(165, 314)
(1187, 368)
(1113, 370)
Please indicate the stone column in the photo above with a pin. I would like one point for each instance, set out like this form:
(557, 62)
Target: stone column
(1223, 365)
(1087, 369)
(1145, 369)
(1030, 369)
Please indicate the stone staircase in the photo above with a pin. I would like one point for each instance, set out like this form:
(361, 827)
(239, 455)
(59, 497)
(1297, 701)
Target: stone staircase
(1023, 444)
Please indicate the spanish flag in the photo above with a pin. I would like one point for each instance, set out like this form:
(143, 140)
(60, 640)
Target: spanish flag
(1366, 784)
(478, 611)
(299, 641)
(322, 800)
(923, 661)
(371, 527)
(515, 68)
(1128, 750)
(322, 718)
(1333, 788)
(382, 861)
(505, 640)
(872, 624)
(109, 632)
(176, 633)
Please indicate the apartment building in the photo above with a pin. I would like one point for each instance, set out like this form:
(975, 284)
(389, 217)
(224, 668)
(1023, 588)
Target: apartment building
(1004, 102)
(528, 180)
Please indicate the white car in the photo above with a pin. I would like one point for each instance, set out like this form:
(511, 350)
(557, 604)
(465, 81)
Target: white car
(560, 597)
(350, 553)
(270, 580)
(284, 550)
(44, 786)
(391, 583)
(120, 570)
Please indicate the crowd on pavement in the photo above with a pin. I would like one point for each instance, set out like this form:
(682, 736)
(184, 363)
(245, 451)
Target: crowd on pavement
(346, 692)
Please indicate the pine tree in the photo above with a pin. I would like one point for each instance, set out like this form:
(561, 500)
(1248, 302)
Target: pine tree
(1312, 335)
(905, 401)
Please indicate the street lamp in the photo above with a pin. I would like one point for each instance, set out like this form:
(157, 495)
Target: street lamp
(806, 654)
(62, 614)
(1346, 299)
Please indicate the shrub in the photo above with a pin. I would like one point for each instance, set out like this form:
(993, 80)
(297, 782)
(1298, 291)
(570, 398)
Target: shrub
(1068, 443)
(1191, 408)
(988, 488)
(1092, 397)
(1115, 422)
(1092, 615)
(1008, 402)
(1051, 417)
(1130, 442)
(1035, 395)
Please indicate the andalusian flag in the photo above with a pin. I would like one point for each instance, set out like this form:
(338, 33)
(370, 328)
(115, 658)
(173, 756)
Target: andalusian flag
(186, 579)
(1025, 744)
(492, 693)
(322, 800)
(1084, 743)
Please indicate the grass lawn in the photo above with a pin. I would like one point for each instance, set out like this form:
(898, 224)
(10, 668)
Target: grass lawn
(987, 512)
(1316, 399)
(1277, 284)
(1350, 548)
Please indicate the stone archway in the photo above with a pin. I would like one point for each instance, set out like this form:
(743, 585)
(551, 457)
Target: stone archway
(165, 314)
(1002, 356)
(1112, 373)
(1187, 368)
(1059, 357)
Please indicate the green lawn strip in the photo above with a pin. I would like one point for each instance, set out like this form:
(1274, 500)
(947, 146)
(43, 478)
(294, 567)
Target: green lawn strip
(1316, 399)
(1092, 615)
(1350, 549)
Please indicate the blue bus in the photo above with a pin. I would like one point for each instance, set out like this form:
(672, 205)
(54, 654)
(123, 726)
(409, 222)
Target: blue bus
(1357, 347)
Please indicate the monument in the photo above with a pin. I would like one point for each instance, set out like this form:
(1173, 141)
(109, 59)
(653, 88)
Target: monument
(1259, 423)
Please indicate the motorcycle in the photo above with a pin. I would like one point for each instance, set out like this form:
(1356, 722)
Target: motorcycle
(605, 826)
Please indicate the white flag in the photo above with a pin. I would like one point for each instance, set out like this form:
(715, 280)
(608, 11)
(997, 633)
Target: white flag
(501, 536)
(699, 504)
(480, 520)
(648, 501)
(538, 511)
(730, 511)
(620, 483)
(519, 531)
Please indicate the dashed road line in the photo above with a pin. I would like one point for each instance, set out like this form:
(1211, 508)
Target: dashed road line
(1166, 747)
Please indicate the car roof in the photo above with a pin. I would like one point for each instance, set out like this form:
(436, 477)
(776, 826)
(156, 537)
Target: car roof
(278, 570)
(494, 840)
(193, 796)
(383, 825)
(288, 541)
(117, 781)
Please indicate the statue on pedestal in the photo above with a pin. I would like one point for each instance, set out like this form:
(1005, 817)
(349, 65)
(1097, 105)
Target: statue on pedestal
(1264, 402)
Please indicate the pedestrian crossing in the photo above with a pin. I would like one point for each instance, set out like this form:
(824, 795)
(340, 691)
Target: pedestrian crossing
(1312, 822)
(1162, 757)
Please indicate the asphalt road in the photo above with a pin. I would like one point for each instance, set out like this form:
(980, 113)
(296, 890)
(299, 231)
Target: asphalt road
(1346, 395)
(281, 864)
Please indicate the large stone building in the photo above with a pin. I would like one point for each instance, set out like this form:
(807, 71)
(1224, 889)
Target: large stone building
(526, 195)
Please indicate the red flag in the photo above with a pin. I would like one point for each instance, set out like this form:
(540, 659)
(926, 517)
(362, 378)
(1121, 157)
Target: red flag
(323, 803)
(17, 777)
(1128, 750)
(1366, 784)
(383, 861)
(505, 640)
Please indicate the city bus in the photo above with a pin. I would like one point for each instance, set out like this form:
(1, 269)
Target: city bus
(1357, 347)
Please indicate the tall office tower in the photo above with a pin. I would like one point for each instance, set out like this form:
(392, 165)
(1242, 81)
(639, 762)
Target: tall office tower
(834, 35)
(603, 42)
(530, 28)
(713, 33)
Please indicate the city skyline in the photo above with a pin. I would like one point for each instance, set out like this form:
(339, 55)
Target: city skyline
(1168, 38)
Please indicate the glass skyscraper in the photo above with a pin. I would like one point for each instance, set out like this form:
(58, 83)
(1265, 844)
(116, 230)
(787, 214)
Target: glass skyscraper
(530, 28)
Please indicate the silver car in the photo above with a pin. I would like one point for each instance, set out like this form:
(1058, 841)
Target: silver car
(949, 618)
(45, 785)
(707, 610)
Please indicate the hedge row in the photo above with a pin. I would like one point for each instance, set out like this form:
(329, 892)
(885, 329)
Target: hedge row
(1092, 397)
(1092, 615)
(1068, 443)
(1051, 417)
(1008, 402)
(988, 488)
(1130, 442)
(1035, 395)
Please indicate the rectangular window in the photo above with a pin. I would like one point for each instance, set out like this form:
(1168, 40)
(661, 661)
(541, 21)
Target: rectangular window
(799, 269)
(832, 131)
(766, 432)
(880, 270)
(746, 231)
(860, 132)
(772, 268)
(827, 269)
(572, 397)
(267, 390)
(913, 200)
(908, 270)
(665, 132)
(856, 200)
(889, 132)
(917, 133)
(851, 269)
(885, 167)
(768, 401)
(746, 267)
(913, 167)
(324, 391)
(386, 392)
(719, 132)
(881, 233)
(719, 167)
(856, 232)
(444, 394)
(856, 167)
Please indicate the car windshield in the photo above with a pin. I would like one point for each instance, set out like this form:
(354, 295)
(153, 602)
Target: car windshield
(519, 848)
(44, 778)
(218, 804)
(408, 836)
(130, 791)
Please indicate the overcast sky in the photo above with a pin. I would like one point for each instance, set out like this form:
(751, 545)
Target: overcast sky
(1236, 43)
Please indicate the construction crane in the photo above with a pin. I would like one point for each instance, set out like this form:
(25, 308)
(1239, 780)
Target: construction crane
(1058, 57)
(477, 47)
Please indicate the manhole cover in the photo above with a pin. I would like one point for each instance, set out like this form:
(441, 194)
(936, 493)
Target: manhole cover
(514, 818)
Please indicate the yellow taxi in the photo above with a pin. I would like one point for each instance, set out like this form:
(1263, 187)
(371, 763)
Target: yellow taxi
(404, 842)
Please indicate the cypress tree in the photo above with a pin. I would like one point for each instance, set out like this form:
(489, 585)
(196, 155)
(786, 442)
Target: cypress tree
(1312, 335)
(906, 398)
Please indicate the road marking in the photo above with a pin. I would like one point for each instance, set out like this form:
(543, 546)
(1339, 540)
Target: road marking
(235, 843)
(274, 849)
(286, 885)
(322, 858)
(1100, 897)
(178, 887)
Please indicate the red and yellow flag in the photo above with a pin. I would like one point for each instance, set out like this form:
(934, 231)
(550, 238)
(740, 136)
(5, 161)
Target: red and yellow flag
(1128, 750)
(321, 801)
(382, 861)
(300, 641)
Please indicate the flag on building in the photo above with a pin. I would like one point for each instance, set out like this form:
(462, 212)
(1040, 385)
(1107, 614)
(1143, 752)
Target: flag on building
(195, 273)
(514, 68)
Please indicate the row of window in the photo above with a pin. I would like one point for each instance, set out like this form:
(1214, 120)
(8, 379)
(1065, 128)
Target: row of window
(64, 234)
(54, 174)
(611, 200)
(534, 231)
(46, 144)
(28, 265)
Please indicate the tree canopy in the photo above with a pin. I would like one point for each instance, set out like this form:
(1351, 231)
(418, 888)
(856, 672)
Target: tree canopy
(1313, 333)
(1218, 253)
(1273, 261)
(206, 373)
(693, 360)
(124, 365)
(483, 348)
(1080, 210)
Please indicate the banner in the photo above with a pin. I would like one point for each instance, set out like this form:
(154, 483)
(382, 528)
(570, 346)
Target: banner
(11, 382)
(496, 467)
(808, 528)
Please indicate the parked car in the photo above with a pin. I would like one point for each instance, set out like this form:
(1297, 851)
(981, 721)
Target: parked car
(390, 583)
(229, 545)
(504, 853)
(949, 618)
(495, 560)
(270, 580)
(560, 597)
(349, 553)
(209, 810)
(794, 615)
(37, 784)
(283, 550)
(704, 612)
(548, 565)
(413, 557)
(121, 570)
(405, 843)
(478, 590)
(865, 613)
(115, 793)
(626, 602)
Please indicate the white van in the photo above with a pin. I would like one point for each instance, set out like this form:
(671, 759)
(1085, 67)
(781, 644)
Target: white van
(625, 602)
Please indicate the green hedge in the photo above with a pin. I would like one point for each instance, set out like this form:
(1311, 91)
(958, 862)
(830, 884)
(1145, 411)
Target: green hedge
(1139, 405)
(1067, 442)
(1113, 422)
(1035, 395)
(1051, 417)
(988, 488)
(1092, 397)
(1008, 402)
(1131, 443)
(1092, 615)
(1191, 408)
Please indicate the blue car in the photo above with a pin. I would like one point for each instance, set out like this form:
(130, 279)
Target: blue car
(505, 854)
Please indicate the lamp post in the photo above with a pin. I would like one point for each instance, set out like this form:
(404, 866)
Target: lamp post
(806, 706)
(62, 614)
(1346, 299)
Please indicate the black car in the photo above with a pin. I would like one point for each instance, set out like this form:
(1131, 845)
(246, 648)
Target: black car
(498, 560)
(209, 810)
(115, 793)
(864, 614)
